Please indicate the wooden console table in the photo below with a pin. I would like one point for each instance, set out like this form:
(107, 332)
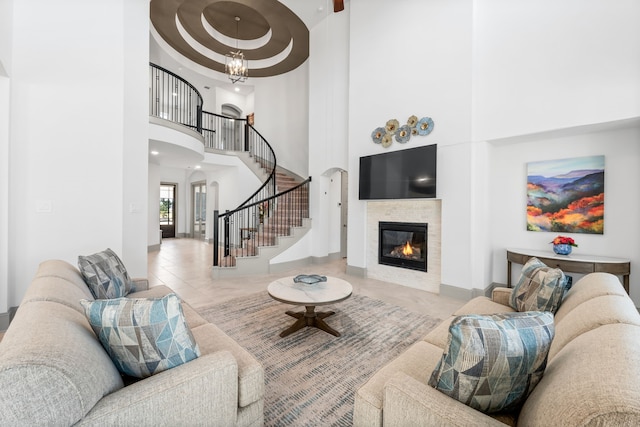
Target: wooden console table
(572, 263)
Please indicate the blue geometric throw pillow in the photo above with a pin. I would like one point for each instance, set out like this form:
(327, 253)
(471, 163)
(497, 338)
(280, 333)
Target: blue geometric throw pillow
(492, 363)
(540, 288)
(142, 336)
(105, 275)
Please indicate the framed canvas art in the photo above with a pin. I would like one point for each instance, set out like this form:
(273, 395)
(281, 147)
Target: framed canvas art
(566, 195)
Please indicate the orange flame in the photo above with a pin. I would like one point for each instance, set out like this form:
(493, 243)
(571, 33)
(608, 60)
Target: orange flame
(406, 251)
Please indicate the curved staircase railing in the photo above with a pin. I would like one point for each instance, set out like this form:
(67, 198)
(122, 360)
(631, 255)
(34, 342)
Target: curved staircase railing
(259, 224)
(277, 205)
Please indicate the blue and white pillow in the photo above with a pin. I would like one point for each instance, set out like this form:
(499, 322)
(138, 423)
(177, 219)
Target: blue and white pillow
(492, 363)
(105, 275)
(142, 336)
(540, 288)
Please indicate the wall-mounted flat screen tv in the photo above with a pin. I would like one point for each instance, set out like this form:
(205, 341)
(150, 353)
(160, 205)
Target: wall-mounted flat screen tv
(404, 174)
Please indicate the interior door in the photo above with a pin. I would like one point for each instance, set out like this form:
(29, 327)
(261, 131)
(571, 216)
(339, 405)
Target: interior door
(344, 212)
(199, 198)
(168, 210)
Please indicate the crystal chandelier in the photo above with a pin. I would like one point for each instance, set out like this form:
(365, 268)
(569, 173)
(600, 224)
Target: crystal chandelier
(236, 67)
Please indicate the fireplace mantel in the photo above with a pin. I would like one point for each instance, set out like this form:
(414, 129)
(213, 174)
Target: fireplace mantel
(418, 211)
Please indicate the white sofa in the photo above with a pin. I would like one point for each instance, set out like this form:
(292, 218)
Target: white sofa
(592, 376)
(55, 372)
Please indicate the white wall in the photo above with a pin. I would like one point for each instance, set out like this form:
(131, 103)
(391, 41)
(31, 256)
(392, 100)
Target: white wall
(6, 27)
(4, 191)
(282, 114)
(135, 70)
(6, 36)
(67, 144)
(433, 41)
(328, 126)
(153, 217)
(622, 187)
(548, 64)
(226, 97)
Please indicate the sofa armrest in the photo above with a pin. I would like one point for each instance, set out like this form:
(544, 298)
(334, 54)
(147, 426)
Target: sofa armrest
(205, 388)
(142, 284)
(407, 401)
(501, 295)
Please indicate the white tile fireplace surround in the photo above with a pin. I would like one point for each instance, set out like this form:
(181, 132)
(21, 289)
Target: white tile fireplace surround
(414, 210)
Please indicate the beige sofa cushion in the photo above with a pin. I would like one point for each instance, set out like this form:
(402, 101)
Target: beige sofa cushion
(409, 403)
(590, 286)
(418, 361)
(62, 270)
(48, 288)
(52, 360)
(480, 305)
(591, 314)
(592, 381)
(483, 305)
(439, 335)
(211, 339)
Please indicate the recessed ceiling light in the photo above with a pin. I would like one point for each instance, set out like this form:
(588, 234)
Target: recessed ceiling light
(154, 153)
(197, 166)
(237, 89)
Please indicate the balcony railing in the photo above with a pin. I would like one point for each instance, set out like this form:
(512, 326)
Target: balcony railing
(173, 98)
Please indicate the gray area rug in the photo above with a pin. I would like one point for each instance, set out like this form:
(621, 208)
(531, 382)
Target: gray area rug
(311, 376)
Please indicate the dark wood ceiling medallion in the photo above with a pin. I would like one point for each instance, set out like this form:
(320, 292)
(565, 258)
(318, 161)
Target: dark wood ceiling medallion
(257, 19)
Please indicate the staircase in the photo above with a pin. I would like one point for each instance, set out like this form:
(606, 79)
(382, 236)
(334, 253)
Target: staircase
(265, 229)
(275, 216)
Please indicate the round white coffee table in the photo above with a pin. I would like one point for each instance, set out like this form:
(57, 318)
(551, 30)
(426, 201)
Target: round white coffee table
(322, 293)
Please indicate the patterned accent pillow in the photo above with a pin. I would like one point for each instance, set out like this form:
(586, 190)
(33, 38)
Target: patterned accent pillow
(492, 363)
(540, 288)
(142, 336)
(105, 275)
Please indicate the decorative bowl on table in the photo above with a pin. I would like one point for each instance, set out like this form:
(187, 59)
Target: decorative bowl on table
(562, 249)
(562, 245)
(309, 279)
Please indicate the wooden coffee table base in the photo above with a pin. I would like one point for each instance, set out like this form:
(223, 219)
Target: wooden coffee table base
(310, 318)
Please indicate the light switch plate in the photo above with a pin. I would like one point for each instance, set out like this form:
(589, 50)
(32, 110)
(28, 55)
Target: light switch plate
(44, 206)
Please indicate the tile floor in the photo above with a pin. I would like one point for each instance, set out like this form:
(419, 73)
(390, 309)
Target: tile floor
(184, 265)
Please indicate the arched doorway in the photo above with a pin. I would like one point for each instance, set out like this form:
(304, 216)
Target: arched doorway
(231, 110)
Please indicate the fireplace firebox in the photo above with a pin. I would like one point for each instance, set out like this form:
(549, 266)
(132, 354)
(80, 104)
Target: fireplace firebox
(403, 244)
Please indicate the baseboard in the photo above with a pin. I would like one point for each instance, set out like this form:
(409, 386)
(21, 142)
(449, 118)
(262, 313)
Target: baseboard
(356, 271)
(304, 262)
(324, 259)
(289, 265)
(153, 248)
(6, 318)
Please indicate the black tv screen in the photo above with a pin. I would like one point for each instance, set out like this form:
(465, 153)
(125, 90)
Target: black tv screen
(404, 174)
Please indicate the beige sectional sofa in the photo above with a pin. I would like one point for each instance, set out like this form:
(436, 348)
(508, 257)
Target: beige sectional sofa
(54, 371)
(592, 376)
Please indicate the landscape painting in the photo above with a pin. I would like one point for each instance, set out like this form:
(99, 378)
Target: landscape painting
(566, 195)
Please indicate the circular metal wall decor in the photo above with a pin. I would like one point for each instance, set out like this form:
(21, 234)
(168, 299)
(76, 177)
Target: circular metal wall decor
(414, 127)
(203, 30)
